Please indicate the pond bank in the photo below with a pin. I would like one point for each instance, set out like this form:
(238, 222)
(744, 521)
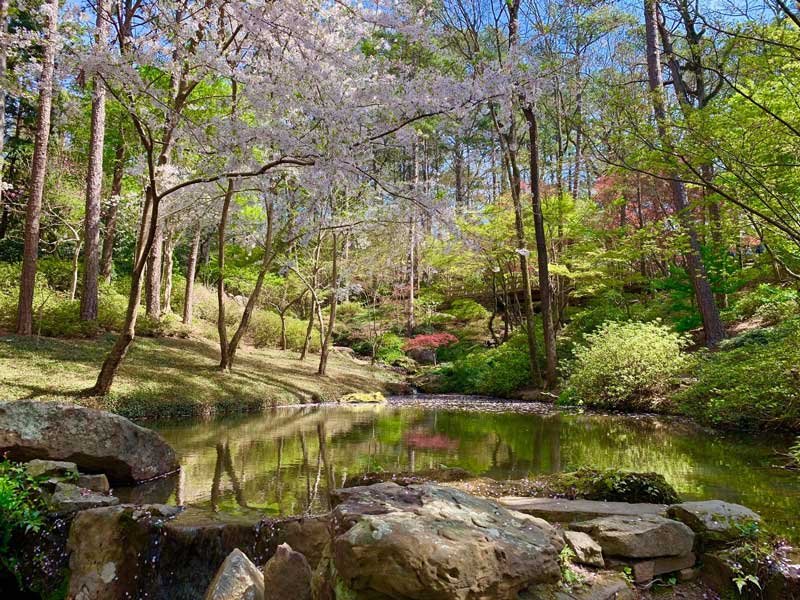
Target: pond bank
(178, 377)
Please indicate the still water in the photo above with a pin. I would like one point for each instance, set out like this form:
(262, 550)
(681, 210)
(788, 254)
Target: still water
(283, 462)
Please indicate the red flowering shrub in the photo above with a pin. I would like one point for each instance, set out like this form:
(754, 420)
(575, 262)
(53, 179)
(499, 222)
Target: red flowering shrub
(429, 341)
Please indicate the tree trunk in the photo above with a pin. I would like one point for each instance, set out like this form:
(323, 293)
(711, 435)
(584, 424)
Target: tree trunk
(94, 184)
(252, 301)
(147, 234)
(709, 313)
(106, 262)
(153, 280)
(37, 178)
(541, 252)
(76, 261)
(3, 70)
(169, 248)
(326, 342)
(188, 299)
(221, 329)
(314, 303)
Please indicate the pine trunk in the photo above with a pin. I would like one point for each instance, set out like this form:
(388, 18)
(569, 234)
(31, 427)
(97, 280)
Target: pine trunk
(94, 184)
(37, 178)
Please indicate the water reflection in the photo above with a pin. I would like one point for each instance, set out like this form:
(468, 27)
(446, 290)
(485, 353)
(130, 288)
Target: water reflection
(285, 461)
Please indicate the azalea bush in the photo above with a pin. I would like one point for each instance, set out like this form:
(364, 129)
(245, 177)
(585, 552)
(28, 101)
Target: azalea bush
(627, 365)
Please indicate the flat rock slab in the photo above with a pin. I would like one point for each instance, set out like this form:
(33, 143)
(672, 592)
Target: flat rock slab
(560, 510)
(95, 440)
(52, 468)
(70, 498)
(715, 521)
(428, 542)
(648, 536)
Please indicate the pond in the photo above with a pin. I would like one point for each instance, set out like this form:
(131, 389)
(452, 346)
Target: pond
(282, 462)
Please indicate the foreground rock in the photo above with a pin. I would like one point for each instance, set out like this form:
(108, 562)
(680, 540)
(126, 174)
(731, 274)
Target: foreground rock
(715, 521)
(586, 550)
(237, 579)
(96, 441)
(567, 511)
(646, 536)
(428, 542)
(287, 575)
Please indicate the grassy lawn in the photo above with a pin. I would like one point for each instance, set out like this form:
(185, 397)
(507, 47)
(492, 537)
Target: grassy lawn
(172, 377)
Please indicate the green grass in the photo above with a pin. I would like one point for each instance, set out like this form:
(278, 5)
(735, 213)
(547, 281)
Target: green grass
(171, 377)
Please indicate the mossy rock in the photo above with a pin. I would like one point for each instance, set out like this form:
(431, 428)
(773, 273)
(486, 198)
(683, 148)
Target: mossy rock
(612, 485)
(362, 398)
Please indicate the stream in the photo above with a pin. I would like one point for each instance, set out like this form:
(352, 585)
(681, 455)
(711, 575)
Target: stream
(282, 462)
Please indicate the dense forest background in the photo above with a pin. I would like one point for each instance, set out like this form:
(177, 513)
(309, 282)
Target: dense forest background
(588, 201)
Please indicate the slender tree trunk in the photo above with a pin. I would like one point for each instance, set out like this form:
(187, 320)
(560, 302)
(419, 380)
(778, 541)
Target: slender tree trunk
(252, 301)
(37, 178)
(709, 313)
(153, 279)
(309, 329)
(147, 234)
(221, 328)
(106, 262)
(541, 251)
(169, 249)
(314, 303)
(94, 183)
(326, 342)
(76, 261)
(188, 299)
(3, 87)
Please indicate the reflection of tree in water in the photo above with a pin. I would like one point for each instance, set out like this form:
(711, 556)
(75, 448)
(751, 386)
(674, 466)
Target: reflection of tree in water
(287, 462)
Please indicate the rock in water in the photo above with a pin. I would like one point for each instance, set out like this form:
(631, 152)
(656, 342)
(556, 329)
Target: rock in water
(430, 542)
(237, 579)
(287, 575)
(70, 498)
(51, 468)
(95, 440)
(645, 536)
(715, 521)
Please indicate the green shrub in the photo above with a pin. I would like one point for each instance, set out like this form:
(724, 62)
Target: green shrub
(753, 385)
(627, 365)
(467, 310)
(771, 303)
(265, 329)
(21, 504)
(492, 372)
(390, 348)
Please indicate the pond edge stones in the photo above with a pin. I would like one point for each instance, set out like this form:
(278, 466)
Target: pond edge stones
(95, 440)
(430, 542)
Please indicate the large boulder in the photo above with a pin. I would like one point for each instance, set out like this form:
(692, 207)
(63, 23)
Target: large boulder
(715, 521)
(646, 536)
(287, 575)
(96, 441)
(430, 542)
(237, 579)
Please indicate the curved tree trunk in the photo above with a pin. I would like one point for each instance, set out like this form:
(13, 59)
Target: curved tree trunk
(188, 298)
(169, 249)
(94, 184)
(252, 301)
(38, 172)
(3, 70)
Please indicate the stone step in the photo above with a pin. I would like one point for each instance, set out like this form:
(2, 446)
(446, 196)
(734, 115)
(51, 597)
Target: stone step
(569, 511)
